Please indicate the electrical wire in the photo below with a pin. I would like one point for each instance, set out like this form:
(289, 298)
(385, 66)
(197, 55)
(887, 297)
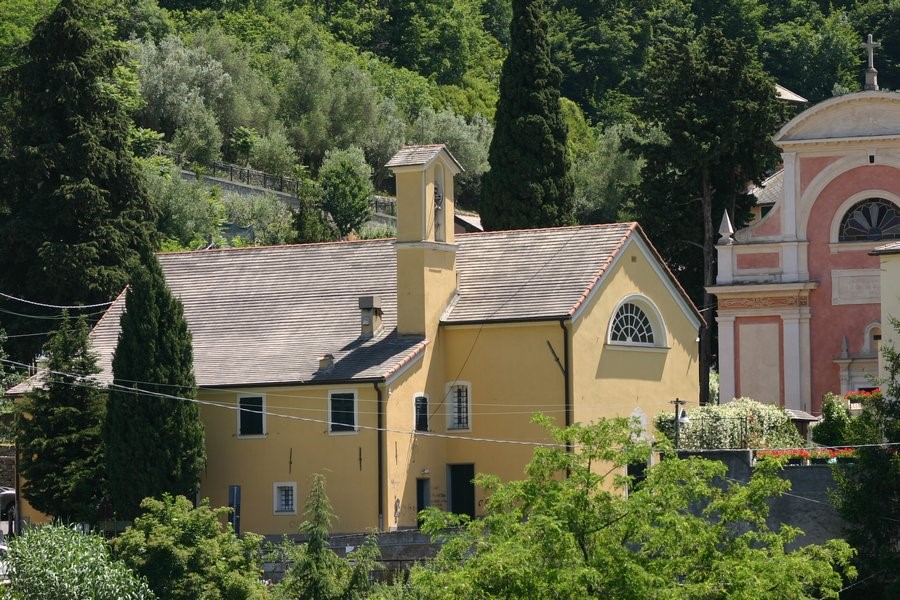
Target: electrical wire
(72, 307)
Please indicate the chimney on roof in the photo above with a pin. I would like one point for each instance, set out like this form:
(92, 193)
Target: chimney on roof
(370, 316)
(326, 363)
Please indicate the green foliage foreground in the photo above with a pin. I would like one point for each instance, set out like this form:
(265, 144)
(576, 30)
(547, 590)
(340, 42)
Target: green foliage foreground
(64, 564)
(684, 532)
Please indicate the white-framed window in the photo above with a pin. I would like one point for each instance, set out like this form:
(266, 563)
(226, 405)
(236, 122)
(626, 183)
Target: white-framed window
(251, 415)
(342, 411)
(458, 400)
(871, 219)
(420, 412)
(636, 322)
(284, 498)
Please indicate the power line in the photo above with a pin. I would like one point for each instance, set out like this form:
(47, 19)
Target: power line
(72, 307)
(46, 317)
(79, 380)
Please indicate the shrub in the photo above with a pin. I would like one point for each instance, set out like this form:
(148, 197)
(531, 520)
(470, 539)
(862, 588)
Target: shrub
(741, 423)
(60, 563)
(832, 429)
(187, 553)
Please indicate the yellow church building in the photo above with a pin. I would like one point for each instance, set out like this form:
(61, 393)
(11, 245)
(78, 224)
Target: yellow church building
(400, 368)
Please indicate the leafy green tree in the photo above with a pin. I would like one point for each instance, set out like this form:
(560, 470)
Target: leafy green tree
(569, 531)
(77, 215)
(154, 438)
(310, 223)
(868, 494)
(811, 53)
(267, 217)
(190, 214)
(17, 19)
(529, 183)
(346, 182)
(605, 176)
(467, 139)
(186, 553)
(316, 572)
(59, 430)
(832, 429)
(241, 143)
(705, 90)
(56, 561)
(273, 153)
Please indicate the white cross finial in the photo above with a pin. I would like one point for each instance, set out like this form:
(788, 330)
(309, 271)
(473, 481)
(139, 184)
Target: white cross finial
(870, 45)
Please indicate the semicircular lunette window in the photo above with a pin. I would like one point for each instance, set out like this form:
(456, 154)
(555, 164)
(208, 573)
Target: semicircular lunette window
(872, 219)
(631, 326)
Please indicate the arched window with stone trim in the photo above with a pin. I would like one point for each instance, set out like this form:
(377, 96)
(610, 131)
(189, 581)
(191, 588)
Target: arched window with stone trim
(872, 219)
(636, 322)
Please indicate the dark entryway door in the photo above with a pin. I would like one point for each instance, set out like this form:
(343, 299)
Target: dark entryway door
(462, 490)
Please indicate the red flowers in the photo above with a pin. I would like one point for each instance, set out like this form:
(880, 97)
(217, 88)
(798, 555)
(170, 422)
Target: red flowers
(808, 453)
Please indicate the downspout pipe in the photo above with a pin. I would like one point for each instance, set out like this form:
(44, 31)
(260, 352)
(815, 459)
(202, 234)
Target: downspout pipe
(567, 373)
(380, 437)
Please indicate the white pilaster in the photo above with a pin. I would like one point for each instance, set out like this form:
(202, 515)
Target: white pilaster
(805, 361)
(789, 202)
(727, 365)
(793, 369)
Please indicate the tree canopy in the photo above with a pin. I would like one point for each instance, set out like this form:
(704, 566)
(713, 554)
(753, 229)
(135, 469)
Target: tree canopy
(154, 438)
(75, 214)
(529, 183)
(568, 531)
(59, 430)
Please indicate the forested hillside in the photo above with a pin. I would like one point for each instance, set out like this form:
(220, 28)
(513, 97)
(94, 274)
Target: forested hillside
(291, 86)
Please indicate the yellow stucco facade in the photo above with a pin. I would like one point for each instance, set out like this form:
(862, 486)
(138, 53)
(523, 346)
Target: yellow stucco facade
(461, 403)
(500, 373)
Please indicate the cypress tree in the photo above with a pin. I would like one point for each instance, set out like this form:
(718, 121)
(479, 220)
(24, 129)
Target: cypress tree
(154, 438)
(529, 184)
(59, 430)
(75, 213)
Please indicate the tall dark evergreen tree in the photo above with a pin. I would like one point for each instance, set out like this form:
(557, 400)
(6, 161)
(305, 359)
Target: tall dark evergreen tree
(75, 212)
(706, 91)
(61, 455)
(154, 438)
(529, 184)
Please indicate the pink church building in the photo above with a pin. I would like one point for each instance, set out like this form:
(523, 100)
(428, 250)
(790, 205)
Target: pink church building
(799, 302)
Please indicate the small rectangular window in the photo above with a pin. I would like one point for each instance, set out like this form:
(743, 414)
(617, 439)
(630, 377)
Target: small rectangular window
(284, 498)
(342, 411)
(251, 416)
(458, 406)
(421, 413)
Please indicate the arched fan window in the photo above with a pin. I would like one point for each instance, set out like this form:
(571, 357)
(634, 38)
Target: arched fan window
(631, 325)
(872, 219)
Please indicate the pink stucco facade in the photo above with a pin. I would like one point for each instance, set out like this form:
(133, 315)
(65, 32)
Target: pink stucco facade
(808, 302)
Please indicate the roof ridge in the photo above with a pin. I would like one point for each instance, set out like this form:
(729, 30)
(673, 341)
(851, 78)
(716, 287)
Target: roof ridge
(629, 224)
(276, 246)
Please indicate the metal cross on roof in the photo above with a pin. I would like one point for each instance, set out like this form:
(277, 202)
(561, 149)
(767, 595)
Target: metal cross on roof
(870, 45)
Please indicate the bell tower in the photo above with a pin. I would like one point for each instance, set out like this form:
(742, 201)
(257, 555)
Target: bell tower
(426, 252)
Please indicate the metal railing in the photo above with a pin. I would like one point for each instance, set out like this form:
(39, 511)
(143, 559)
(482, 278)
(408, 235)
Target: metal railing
(239, 174)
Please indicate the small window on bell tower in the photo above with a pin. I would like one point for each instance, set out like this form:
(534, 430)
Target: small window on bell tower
(439, 233)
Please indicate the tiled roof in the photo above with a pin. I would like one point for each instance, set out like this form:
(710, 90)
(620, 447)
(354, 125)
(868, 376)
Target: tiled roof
(892, 248)
(533, 273)
(770, 190)
(419, 155)
(266, 315)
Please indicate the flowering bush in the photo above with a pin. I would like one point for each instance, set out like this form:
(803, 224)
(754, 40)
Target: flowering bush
(741, 423)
